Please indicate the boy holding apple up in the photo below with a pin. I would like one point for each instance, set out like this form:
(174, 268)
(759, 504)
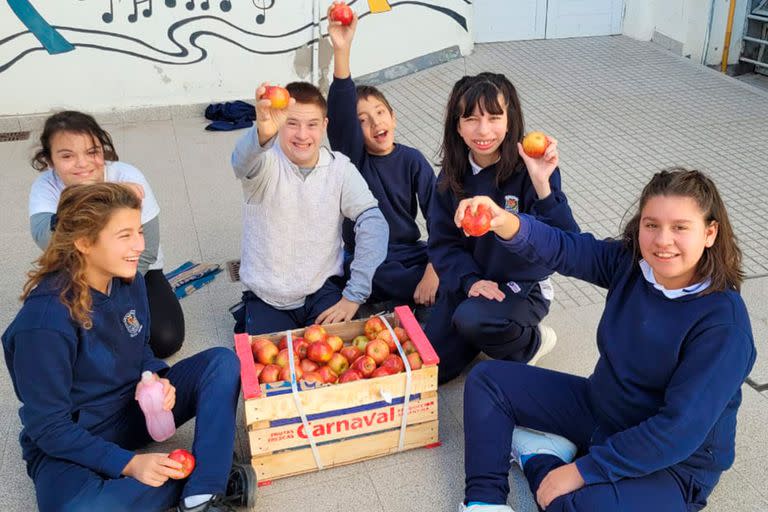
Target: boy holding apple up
(362, 126)
(296, 195)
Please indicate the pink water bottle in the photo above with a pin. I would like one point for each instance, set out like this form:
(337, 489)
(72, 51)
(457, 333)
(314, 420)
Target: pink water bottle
(160, 422)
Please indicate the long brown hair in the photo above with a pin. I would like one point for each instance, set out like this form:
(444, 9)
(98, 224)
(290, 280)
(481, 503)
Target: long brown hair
(82, 213)
(73, 122)
(721, 263)
(480, 91)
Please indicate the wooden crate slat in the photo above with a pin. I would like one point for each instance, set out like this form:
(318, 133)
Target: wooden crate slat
(417, 336)
(339, 396)
(249, 384)
(294, 462)
(340, 426)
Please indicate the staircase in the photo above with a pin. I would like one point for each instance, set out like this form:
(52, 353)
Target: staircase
(755, 41)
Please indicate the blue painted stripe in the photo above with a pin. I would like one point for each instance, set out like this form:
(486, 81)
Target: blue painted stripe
(48, 36)
(339, 412)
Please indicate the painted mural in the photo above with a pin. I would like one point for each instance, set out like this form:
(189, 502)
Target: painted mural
(182, 31)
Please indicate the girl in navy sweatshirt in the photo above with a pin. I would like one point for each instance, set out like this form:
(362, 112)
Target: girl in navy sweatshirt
(654, 426)
(489, 300)
(76, 352)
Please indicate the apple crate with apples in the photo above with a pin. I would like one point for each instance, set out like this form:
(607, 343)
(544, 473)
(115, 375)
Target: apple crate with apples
(354, 396)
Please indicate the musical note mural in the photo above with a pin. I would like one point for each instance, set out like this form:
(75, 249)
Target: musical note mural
(177, 33)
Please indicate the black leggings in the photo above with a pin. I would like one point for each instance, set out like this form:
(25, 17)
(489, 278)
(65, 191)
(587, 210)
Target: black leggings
(166, 331)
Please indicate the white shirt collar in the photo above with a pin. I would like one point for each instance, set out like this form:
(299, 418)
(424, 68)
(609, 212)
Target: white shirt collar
(672, 294)
(475, 166)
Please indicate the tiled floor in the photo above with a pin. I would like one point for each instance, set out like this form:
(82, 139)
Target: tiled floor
(621, 110)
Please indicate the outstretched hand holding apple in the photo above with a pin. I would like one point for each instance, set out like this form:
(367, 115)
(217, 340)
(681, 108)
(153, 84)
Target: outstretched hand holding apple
(503, 223)
(269, 119)
(541, 168)
(341, 34)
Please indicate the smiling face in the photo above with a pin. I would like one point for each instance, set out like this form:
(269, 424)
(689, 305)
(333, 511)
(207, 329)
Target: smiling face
(302, 134)
(378, 125)
(484, 133)
(116, 251)
(673, 236)
(77, 158)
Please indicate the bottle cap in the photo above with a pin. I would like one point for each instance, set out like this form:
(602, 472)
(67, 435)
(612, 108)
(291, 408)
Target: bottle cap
(146, 376)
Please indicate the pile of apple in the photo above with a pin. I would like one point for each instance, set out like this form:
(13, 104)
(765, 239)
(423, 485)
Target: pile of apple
(326, 359)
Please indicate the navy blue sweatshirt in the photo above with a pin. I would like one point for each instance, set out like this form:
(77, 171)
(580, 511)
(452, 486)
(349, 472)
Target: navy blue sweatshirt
(667, 386)
(461, 261)
(74, 382)
(396, 180)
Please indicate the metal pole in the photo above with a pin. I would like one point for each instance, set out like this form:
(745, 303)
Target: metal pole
(727, 42)
(316, 15)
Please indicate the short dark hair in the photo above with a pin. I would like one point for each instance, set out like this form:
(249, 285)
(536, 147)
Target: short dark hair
(369, 91)
(305, 92)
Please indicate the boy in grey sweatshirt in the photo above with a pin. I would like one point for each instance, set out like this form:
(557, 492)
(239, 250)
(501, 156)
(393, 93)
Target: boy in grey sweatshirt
(296, 195)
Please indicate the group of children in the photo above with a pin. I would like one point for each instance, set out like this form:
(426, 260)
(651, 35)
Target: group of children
(325, 231)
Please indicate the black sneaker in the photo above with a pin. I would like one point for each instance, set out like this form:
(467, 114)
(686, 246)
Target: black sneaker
(241, 485)
(216, 504)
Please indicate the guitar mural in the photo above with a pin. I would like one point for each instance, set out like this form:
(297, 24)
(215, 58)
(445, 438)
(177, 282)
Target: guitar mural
(185, 29)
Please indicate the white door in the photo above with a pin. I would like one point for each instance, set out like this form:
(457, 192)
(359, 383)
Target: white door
(578, 18)
(506, 20)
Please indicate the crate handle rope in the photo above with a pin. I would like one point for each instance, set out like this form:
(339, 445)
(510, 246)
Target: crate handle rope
(295, 393)
(407, 397)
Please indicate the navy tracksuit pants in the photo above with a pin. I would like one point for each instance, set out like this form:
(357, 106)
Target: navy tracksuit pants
(261, 318)
(461, 327)
(499, 395)
(207, 386)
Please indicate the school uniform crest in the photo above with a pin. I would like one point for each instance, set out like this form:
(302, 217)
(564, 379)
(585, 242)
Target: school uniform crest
(511, 203)
(132, 324)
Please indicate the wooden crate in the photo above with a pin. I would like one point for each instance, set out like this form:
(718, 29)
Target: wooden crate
(350, 422)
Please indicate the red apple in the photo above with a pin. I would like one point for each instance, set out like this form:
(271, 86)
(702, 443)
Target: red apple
(266, 352)
(372, 327)
(285, 373)
(377, 350)
(394, 363)
(282, 359)
(335, 342)
(409, 347)
(327, 374)
(338, 364)
(270, 373)
(387, 338)
(299, 345)
(186, 459)
(313, 377)
(535, 144)
(259, 367)
(308, 365)
(476, 224)
(314, 333)
(278, 96)
(319, 352)
(359, 342)
(350, 375)
(365, 365)
(351, 352)
(402, 336)
(414, 359)
(341, 13)
(381, 371)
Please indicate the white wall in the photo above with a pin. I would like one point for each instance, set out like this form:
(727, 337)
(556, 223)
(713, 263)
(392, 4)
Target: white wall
(686, 21)
(121, 64)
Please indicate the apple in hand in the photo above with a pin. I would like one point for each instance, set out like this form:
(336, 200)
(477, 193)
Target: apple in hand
(341, 13)
(535, 144)
(278, 96)
(476, 224)
(186, 459)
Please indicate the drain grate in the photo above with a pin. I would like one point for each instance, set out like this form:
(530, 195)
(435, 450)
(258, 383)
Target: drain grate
(233, 269)
(13, 136)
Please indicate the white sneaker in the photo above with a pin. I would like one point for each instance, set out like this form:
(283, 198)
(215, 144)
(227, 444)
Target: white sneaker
(548, 342)
(485, 508)
(526, 441)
